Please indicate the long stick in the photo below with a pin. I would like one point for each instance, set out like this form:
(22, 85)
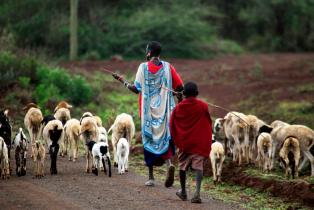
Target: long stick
(219, 107)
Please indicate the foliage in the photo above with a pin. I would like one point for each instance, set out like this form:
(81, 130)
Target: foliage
(185, 28)
(12, 67)
(56, 84)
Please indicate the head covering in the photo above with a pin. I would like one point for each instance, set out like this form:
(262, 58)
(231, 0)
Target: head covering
(154, 48)
(190, 89)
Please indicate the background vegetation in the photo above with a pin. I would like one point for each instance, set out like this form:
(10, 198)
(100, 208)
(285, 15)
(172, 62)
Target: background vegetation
(190, 28)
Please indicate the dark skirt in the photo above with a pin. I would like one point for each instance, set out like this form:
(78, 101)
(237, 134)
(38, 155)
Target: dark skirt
(152, 159)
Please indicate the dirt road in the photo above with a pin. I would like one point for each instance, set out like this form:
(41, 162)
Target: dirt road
(72, 188)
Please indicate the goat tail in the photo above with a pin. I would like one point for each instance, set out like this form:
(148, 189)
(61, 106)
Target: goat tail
(37, 145)
(218, 155)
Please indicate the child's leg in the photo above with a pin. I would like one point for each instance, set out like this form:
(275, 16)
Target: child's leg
(198, 177)
(182, 193)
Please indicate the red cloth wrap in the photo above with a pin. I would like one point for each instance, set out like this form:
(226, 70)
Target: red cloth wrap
(190, 127)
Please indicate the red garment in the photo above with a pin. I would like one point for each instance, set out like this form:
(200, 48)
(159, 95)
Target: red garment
(153, 68)
(190, 127)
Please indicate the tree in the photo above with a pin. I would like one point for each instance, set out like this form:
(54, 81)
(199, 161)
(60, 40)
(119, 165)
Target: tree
(73, 29)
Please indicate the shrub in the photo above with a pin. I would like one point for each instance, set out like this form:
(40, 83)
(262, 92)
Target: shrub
(57, 84)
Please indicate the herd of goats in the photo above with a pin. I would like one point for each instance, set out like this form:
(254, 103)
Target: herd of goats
(58, 132)
(248, 138)
(245, 137)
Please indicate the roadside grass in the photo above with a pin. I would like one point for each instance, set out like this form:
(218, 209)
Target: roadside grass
(245, 197)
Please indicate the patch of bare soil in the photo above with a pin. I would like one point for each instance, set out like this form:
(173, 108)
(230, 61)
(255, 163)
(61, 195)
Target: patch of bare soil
(299, 191)
(229, 79)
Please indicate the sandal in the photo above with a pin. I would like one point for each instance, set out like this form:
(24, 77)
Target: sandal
(182, 196)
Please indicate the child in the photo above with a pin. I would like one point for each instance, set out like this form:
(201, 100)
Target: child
(191, 131)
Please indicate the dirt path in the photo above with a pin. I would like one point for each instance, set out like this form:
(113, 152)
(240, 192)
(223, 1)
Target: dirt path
(74, 189)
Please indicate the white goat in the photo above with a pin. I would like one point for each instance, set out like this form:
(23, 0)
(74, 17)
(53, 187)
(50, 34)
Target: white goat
(217, 157)
(20, 144)
(123, 148)
(100, 151)
(264, 151)
(53, 134)
(123, 127)
(72, 130)
(32, 122)
(103, 135)
(4, 160)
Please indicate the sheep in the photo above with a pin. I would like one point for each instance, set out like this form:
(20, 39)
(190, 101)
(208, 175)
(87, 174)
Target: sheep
(53, 134)
(89, 132)
(100, 151)
(217, 157)
(236, 129)
(39, 159)
(123, 148)
(98, 121)
(305, 135)
(32, 122)
(278, 123)
(264, 151)
(72, 130)
(4, 160)
(62, 112)
(123, 127)
(290, 156)
(103, 135)
(86, 114)
(255, 128)
(20, 144)
(5, 131)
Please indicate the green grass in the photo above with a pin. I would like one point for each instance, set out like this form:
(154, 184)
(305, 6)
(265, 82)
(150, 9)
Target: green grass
(245, 197)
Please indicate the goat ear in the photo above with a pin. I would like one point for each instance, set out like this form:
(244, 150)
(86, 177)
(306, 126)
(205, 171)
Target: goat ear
(6, 112)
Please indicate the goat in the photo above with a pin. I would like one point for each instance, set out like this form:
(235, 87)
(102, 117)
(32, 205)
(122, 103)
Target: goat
(39, 159)
(4, 160)
(290, 156)
(89, 132)
(217, 157)
(32, 122)
(98, 121)
(123, 127)
(100, 151)
(264, 151)
(62, 112)
(236, 129)
(53, 134)
(103, 135)
(278, 123)
(20, 144)
(5, 131)
(72, 130)
(123, 148)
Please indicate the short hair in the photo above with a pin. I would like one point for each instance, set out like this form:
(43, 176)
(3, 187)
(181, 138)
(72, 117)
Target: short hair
(154, 48)
(190, 89)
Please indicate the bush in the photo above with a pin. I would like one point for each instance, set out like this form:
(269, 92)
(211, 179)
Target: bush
(56, 84)
(12, 67)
